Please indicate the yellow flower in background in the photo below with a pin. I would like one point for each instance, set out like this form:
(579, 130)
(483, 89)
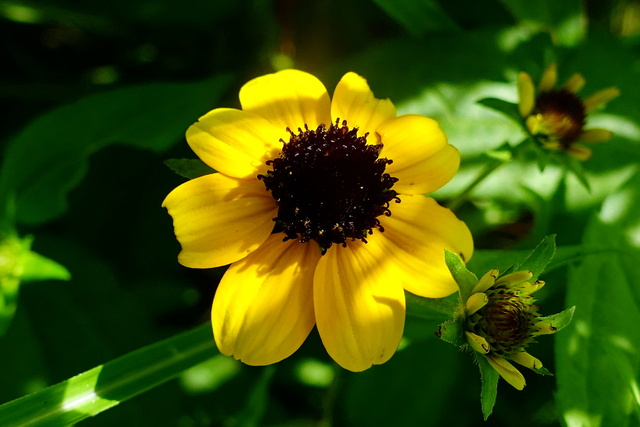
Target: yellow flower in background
(557, 116)
(502, 321)
(318, 206)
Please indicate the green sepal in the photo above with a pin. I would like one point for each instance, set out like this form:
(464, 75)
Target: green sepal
(465, 279)
(507, 108)
(489, 388)
(539, 258)
(19, 264)
(560, 320)
(189, 168)
(451, 331)
(37, 267)
(542, 371)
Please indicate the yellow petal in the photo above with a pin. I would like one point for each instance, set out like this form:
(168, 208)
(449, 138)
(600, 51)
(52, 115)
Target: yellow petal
(507, 371)
(235, 142)
(595, 135)
(486, 281)
(263, 308)
(354, 102)
(549, 78)
(415, 236)
(515, 277)
(422, 159)
(579, 152)
(477, 343)
(575, 83)
(526, 94)
(288, 98)
(600, 98)
(525, 359)
(475, 302)
(360, 307)
(219, 220)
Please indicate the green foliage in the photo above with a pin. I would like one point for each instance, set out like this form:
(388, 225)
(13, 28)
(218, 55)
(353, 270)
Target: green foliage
(97, 95)
(38, 171)
(598, 365)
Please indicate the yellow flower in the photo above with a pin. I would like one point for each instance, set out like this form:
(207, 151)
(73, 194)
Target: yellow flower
(318, 206)
(502, 321)
(558, 116)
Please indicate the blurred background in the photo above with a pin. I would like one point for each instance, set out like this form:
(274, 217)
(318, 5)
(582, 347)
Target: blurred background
(95, 96)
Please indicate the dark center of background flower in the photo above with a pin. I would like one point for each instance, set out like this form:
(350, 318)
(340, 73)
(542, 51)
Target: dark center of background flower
(507, 321)
(329, 185)
(563, 114)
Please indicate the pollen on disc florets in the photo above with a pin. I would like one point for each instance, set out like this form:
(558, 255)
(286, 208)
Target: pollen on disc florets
(563, 115)
(329, 185)
(507, 321)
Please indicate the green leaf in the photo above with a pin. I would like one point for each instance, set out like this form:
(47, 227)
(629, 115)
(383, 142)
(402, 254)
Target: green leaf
(597, 358)
(489, 390)
(465, 279)
(563, 19)
(189, 168)
(107, 385)
(539, 258)
(418, 17)
(49, 157)
(507, 108)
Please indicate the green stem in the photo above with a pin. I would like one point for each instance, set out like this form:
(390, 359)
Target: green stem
(454, 204)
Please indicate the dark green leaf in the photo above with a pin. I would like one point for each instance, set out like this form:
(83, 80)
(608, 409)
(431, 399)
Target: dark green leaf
(507, 108)
(189, 168)
(417, 17)
(49, 157)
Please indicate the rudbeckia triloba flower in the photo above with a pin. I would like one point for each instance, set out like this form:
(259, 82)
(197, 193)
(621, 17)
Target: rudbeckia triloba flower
(318, 206)
(502, 321)
(557, 116)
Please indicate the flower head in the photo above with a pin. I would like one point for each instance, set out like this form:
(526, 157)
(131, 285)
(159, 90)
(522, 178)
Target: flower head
(501, 321)
(557, 116)
(318, 206)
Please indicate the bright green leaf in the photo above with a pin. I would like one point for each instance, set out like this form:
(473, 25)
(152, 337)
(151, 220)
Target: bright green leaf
(597, 358)
(417, 17)
(107, 385)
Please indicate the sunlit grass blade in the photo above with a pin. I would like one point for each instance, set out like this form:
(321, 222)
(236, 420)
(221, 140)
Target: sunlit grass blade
(107, 385)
